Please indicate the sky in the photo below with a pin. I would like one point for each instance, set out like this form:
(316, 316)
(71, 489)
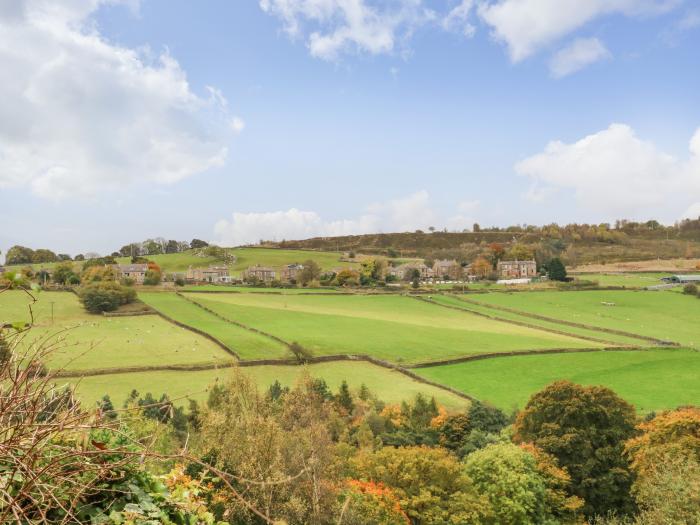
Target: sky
(240, 120)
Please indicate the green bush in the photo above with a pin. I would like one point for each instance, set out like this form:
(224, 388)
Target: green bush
(152, 278)
(690, 289)
(105, 296)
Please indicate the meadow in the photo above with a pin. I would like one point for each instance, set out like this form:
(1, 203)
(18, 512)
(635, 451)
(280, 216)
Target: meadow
(652, 380)
(93, 341)
(390, 386)
(628, 280)
(247, 344)
(391, 327)
(661, 314)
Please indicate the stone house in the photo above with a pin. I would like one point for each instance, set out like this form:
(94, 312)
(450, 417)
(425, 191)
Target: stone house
(516, 269)
(290, 272)
(404, 271)
(213, 274)
(445, 268)
(261, 273)
(135, 272)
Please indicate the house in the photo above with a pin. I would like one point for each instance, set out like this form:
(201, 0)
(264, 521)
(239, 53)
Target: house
(261, 273)
(445, 268)
(290, 272)
(682, 279)
(213, 274)
(405, 271)
(136, 272)
(516, 269)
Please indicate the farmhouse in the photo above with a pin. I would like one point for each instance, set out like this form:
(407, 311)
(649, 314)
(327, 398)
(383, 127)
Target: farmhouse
(682, 279)
(447, 269)
(405, 271)
(261, 273)
(290, 271)
(516, 269)
(137, 272)
(213, 274)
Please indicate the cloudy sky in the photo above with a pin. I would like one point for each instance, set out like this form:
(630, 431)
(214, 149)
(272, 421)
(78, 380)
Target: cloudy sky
(239, 120)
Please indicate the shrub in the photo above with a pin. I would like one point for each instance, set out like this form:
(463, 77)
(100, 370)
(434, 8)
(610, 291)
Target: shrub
(179, 281)
(105, 296)
(300, 353)
(690, 289)
(152, 278)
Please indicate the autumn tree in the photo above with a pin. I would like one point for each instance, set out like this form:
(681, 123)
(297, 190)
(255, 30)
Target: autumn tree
(584, 428)
(481, 267)
(430, 483)
(311, 272)
(520, 252)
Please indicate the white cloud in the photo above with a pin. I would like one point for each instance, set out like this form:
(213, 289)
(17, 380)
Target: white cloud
(79, 114)
(526, 26)
(237, 124)
(580, 53)
(458, 19)
(333, 27)
(406, 214)
(615, 173)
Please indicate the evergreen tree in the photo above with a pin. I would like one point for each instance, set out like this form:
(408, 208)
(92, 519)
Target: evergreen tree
(344, 397)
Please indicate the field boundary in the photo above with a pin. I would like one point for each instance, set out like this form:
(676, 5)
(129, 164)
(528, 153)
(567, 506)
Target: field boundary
(659, 342)
(197, 331)
(236, 323)
(524, 324)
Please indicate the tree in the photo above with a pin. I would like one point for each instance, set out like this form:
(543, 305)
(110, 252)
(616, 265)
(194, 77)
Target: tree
(105, 296)
(63, 272)
(172, 246)
(556, 270)
(344, 397)
(42, 255)
(520, 252)
(508, 476)
(311, 272)
(19, 255)
(347, 277)
(481, 267)
(300, 353)
(430, 484)
(152, 278)
(198, 243)
(584, 428)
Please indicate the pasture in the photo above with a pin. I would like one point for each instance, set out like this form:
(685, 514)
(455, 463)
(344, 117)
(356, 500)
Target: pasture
(388, 385)
(652, 380)
(391, 327)
(92, 341)
(247, 344)
(660, 314)
(628, 280)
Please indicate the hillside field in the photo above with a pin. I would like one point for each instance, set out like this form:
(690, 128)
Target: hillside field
(391, 387)
(661, 314)
(395, 328)
(652, 380)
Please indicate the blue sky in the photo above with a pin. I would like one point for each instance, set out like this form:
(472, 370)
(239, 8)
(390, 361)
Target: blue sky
(236, 120)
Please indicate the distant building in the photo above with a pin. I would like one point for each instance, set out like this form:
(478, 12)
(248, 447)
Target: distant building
(445, 268)
(136, 272)
(405, 271)
(682, 279)
(261, 273)
(290, 272)
(213, 274)
(516, 269)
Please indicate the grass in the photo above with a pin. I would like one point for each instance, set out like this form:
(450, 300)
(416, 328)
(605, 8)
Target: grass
(246, 344)
(250, 289)
(612, 339)
(395, 328)
(94, 341)
(629, 280)
(660, 314)
(390, 386)
(652, 380)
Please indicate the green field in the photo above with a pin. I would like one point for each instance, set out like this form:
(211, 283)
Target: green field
(251, 289)
(246, 344)
(456, 301)
(391, 327)
(629, 280)
(651, 380)
(390, 386)
(94, 341)
(663, 315)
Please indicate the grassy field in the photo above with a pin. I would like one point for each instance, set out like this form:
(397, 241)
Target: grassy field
(651, 380)
(390, 386)
(663, 315)
(392, 327)
(629, 280)
(651, 265)
(250, 289)
(94, 341)
(459, 302)
(246, 344)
